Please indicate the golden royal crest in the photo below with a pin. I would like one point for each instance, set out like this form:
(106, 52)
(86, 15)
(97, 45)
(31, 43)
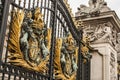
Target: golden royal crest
(65, 61)
(29, 41)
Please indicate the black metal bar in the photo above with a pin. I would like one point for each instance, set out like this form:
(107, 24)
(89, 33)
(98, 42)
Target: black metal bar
(52, 50)
(24, 3)
(58, 31)
(47, 14)
(4, 25)
(9, 77)
(79, 71)
(88, 70)
(14, 77)
(56, 28)
(19, 2)
(44, 10)
(19, 78)
(59, 25)
(3, 76)
(33, 3)
(29, 4)
(13, 6)
(37, 3)
(6, 54)
(118, 76)
(41, 5)
(51, 15)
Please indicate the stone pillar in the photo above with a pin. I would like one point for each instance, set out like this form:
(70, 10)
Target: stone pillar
(103, 65)
(101, 31)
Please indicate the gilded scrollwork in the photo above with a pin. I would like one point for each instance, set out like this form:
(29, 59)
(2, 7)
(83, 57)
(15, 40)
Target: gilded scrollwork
(65, 61)
(29, 41)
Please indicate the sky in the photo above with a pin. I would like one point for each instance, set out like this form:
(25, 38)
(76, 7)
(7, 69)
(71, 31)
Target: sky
(113, 4)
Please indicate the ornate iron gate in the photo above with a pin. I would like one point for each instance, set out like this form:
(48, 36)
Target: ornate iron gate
(56, 17)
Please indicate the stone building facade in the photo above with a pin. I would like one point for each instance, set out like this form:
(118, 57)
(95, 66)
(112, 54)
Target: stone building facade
(101, 27)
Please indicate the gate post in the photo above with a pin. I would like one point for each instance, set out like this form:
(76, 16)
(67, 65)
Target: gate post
(3, 25)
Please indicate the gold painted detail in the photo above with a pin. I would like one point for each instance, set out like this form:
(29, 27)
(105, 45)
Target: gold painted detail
(85, 46)
(65, 61)
(29, 41)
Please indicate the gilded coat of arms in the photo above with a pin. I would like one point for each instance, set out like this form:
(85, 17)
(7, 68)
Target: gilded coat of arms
(29, 41)
(65, 60)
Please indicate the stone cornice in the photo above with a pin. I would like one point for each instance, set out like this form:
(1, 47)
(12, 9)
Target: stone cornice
(111, 15)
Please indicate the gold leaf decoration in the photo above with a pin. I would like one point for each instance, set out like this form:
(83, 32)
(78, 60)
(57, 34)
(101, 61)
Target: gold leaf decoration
(14, 44)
